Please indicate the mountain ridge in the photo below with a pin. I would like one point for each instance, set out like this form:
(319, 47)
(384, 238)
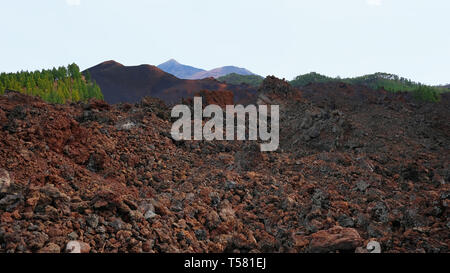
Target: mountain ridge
(222, 71)
(180, 71)
(188, 72)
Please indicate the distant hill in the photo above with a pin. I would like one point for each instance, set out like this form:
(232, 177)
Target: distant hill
(389, 82)
(309, 78)
(121, 83)
(180, 71)
(221, 71)
(233, 78)
(386, 81)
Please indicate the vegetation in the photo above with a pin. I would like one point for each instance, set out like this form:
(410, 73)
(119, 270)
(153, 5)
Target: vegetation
(389, 82)
(311, 78)
(233, 78)
(426, 93)
(58, 85)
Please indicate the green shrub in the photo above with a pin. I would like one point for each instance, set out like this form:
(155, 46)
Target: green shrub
(426, 93)
(233, 78)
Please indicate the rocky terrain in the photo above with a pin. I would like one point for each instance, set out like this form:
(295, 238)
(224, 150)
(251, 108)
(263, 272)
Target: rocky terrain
(354, 165)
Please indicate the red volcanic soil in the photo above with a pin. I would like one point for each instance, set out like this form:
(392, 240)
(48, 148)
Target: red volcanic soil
(221, 98)
(354, 165)
(121, 83)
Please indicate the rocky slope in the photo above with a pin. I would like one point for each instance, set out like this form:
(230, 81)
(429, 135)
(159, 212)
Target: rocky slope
(355, 165)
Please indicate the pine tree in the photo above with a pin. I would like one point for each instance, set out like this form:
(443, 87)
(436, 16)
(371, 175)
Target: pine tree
(58, 85)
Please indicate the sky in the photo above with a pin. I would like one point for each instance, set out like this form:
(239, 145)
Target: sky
(284, 38)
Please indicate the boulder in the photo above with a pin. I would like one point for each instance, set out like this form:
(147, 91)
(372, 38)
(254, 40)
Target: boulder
(335, 239)
(5, 181)
(77, 247)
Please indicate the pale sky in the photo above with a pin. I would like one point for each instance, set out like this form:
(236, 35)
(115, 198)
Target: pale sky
(284, 38)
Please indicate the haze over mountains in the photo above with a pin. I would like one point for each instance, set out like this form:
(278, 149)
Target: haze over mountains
(188, 72)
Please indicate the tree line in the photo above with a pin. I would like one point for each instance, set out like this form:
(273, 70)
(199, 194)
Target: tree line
(233, 78)
(386, 81)
(57, 85)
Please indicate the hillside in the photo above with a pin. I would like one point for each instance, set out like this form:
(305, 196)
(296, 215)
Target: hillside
(221, 71)
(180, 71)
(57, 85)
(121, 83)
(309, 78)
(389, 82)
(233, 78)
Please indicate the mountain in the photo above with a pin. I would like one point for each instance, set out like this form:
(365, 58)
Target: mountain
(179, 70)
(121, 83)
(192, 73)
(221, 71)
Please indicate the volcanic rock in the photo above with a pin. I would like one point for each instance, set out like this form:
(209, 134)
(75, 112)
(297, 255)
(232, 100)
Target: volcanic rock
(5, 181)
(335, 239)
(376, 163)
